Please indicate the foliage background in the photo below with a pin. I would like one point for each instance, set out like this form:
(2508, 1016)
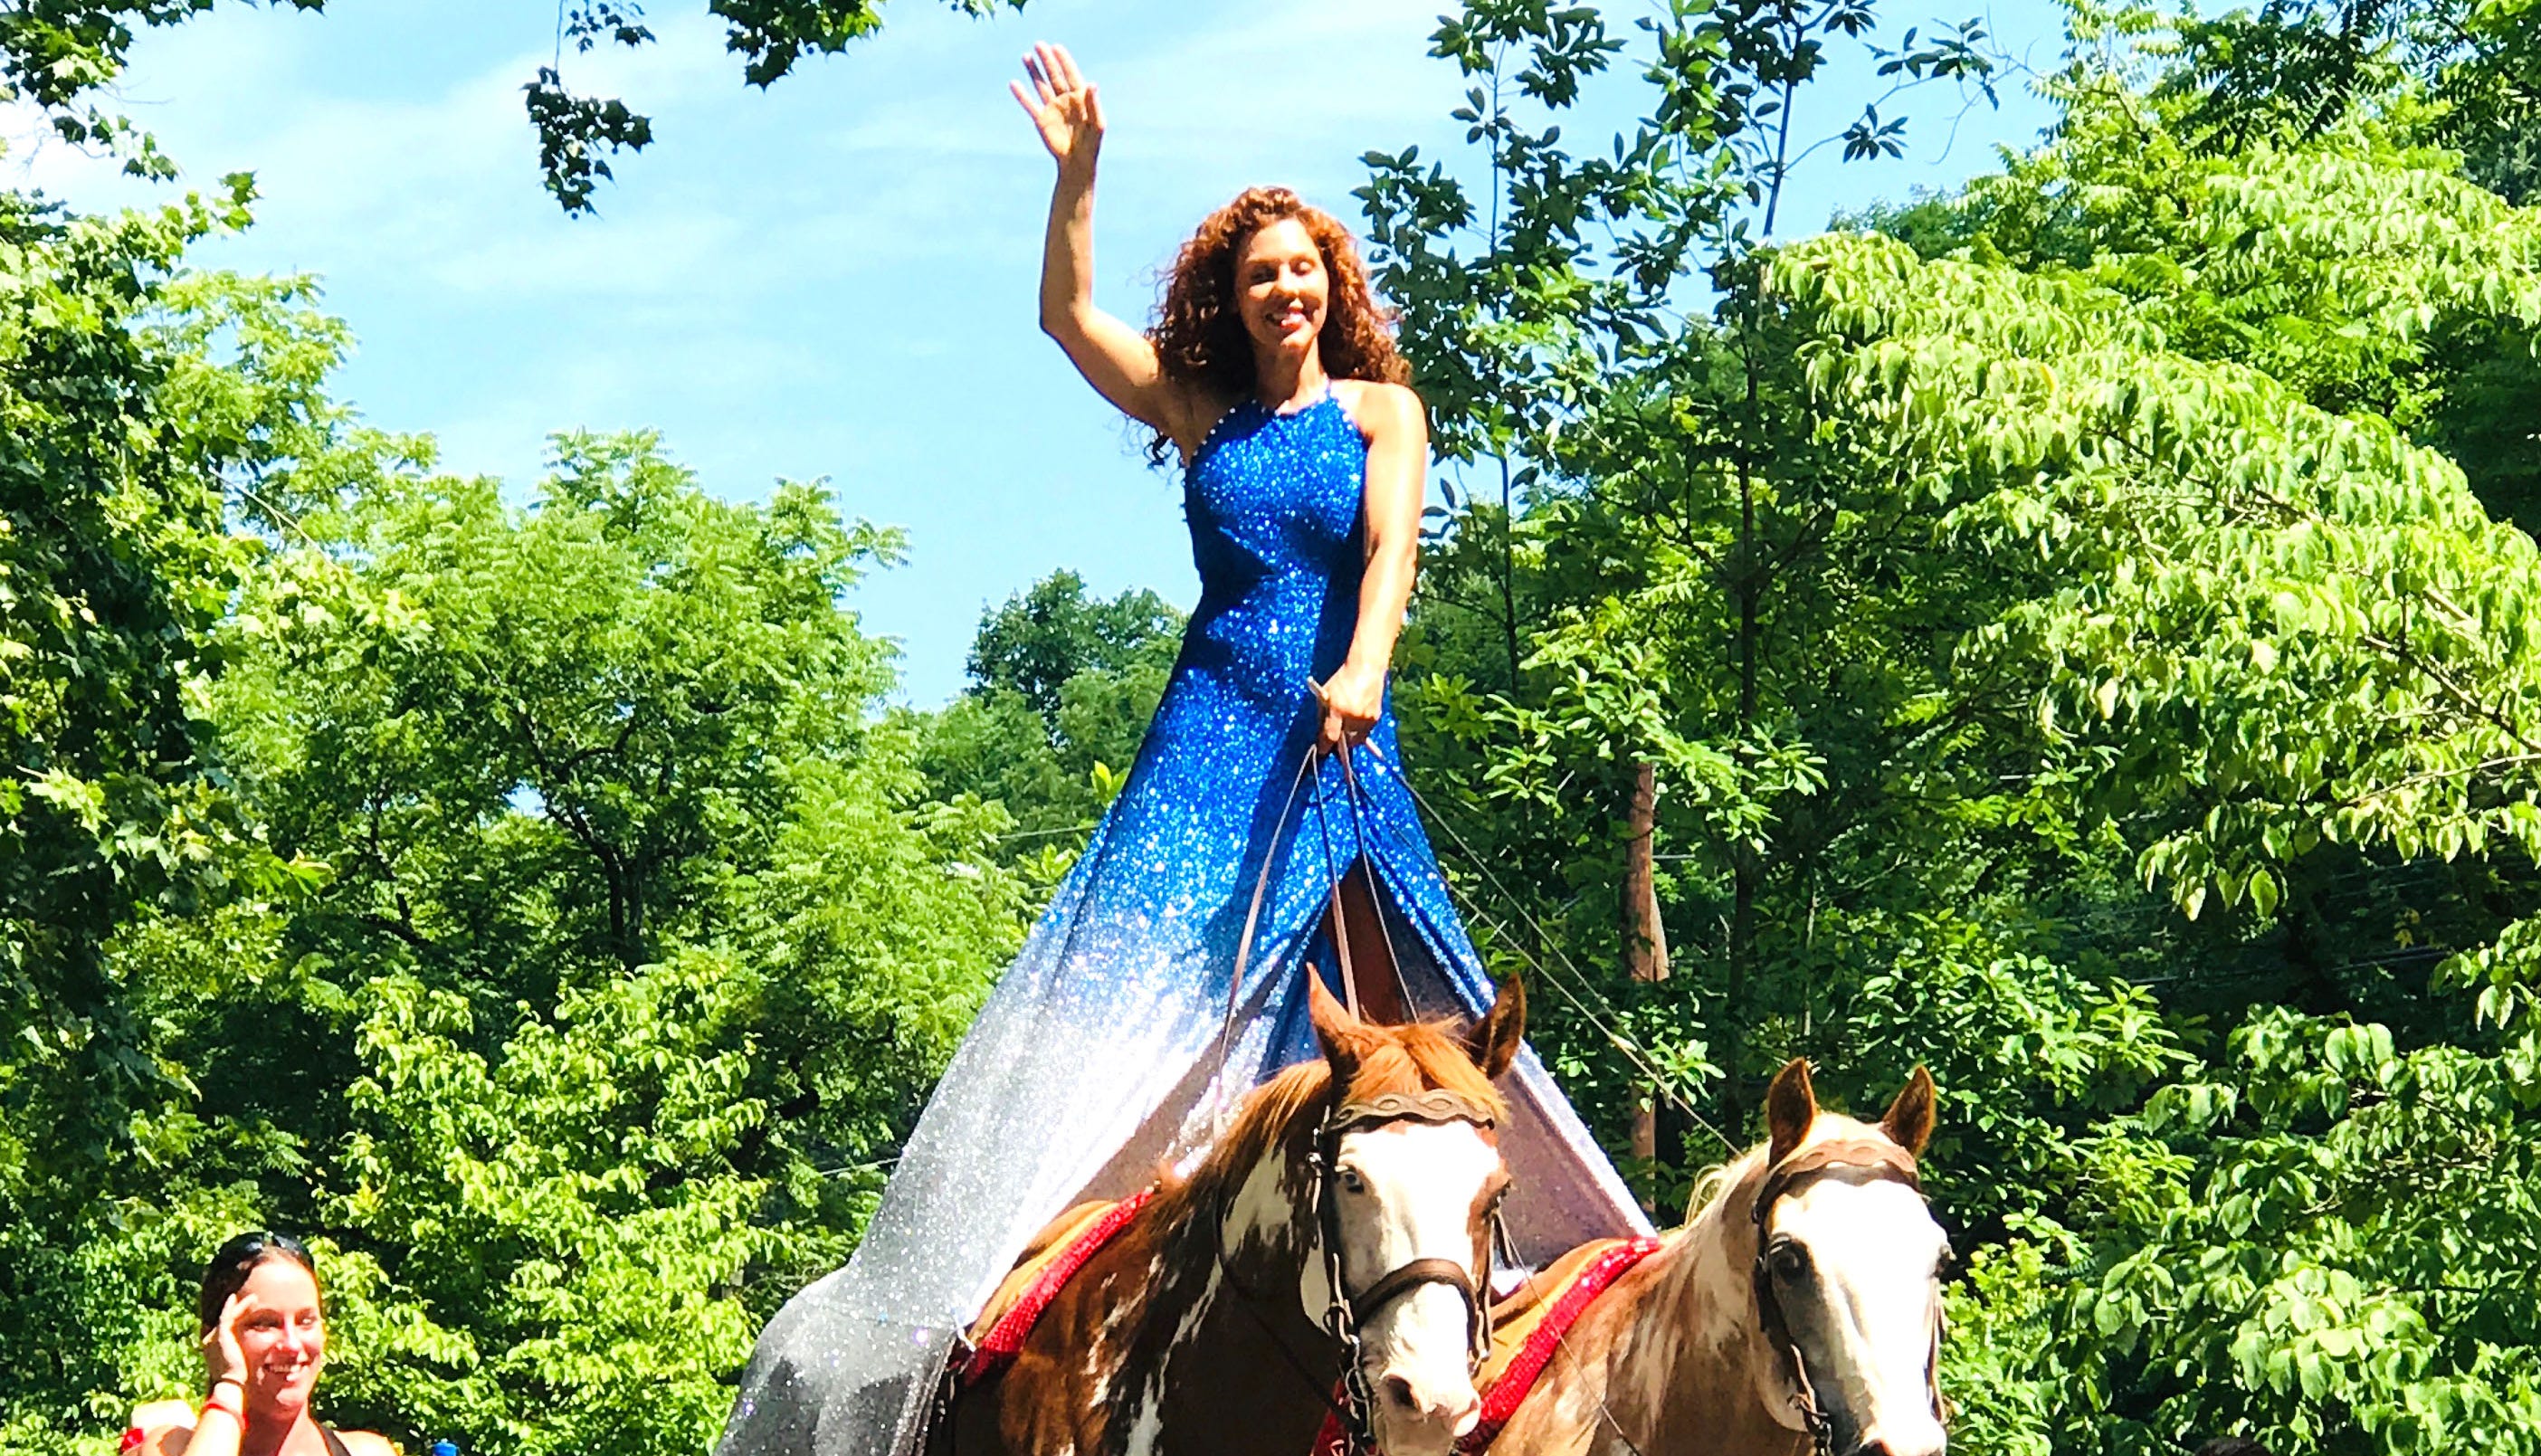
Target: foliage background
(2081, 626)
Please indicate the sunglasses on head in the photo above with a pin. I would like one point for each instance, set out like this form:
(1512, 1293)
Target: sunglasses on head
(248, 1245)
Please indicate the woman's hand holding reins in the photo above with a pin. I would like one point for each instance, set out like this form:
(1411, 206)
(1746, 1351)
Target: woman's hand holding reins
(1353, 699)
(1063, 103)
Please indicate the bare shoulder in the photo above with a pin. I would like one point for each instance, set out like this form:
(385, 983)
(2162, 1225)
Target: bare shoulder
(367, 1443)
(166, 1439)
(1381, 408)
(1197, 414)
(1201, 409)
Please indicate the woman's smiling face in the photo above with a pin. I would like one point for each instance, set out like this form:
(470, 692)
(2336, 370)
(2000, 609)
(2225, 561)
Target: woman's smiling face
(1280, 276)
(283, 1337)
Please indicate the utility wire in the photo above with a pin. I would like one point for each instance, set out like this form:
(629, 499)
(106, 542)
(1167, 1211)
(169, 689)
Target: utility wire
(1633, 1051)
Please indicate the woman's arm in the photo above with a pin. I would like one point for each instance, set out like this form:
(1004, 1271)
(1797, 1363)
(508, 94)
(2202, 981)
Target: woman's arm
(221, 1426)
(1114, 357)
(1398, 459)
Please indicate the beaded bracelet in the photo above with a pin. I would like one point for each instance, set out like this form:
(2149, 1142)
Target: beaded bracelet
(237, 1409)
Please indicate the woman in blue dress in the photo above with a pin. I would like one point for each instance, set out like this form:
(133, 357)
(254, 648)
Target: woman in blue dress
(1108, 1047)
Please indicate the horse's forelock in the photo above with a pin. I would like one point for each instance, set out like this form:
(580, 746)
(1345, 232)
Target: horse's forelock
(1261, 1119)
(1420, 1057)
(1747, 1169)
(1407, 1060)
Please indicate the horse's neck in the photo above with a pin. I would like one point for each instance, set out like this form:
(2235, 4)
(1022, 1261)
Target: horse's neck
(1678, 1374)
(1233, 1364)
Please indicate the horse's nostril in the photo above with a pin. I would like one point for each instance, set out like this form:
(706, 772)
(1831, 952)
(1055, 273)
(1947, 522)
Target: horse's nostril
(1452, 1407)
(1934, 1443)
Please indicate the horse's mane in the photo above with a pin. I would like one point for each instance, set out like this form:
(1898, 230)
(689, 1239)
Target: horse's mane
(1713, 1183)
(1411, 1058)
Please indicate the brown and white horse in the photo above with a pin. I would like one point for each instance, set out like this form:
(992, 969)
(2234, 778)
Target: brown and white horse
(1799, 1310)
(1206, 1325)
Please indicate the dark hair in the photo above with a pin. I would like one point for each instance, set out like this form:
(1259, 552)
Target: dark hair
(2231, 1447)
(233, 1261)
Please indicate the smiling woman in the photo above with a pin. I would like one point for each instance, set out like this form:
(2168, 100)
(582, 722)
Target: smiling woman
(264, 1340)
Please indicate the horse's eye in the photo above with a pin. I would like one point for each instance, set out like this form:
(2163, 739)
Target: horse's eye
(1351, 1181)
(1787, 1260)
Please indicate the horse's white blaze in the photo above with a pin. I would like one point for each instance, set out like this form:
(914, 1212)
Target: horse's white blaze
(1418, 1186)
(1867, 1325)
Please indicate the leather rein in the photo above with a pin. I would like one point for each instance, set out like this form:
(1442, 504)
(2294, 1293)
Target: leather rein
(1347, 1316)
(1881, 1160)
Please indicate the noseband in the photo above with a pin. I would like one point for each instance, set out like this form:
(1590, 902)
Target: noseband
(1882, 1161)
(1347, 1316)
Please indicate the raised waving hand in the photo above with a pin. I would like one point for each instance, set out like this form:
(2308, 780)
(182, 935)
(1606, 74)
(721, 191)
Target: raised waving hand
(1114, 357)
(1063, 103)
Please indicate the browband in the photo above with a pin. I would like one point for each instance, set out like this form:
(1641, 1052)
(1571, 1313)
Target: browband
(1437, 1105)
(1879, 1156)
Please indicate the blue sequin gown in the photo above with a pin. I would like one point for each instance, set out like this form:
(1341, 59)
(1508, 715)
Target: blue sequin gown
(1095, 1058)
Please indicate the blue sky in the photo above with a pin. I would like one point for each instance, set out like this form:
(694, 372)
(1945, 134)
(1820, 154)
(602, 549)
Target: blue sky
(835, 277)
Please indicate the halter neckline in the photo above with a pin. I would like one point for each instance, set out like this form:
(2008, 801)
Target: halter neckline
(1322, 397)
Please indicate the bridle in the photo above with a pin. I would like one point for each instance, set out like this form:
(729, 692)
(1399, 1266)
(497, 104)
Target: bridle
(1346, 1317)
(1883, 1161)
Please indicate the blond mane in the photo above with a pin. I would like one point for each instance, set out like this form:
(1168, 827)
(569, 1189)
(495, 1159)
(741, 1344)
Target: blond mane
(1417, 1058)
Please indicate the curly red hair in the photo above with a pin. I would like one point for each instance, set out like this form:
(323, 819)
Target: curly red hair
(1200, 337)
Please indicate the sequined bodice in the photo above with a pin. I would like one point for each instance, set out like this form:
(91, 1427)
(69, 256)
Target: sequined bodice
(1273, 501)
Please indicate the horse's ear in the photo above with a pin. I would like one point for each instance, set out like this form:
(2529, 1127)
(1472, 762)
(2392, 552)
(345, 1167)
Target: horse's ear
(1909, 1123)
(1790, 1106)
(1338, 1031)
(1493, 1041)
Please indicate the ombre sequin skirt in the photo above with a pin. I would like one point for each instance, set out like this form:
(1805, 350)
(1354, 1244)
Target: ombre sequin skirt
(1096, 1059)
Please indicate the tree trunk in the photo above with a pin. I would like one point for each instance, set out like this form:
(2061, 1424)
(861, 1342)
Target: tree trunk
(1645, 937)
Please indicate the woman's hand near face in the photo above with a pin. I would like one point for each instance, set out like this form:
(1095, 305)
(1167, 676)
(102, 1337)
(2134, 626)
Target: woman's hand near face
(1063, 103)
(224, 1356)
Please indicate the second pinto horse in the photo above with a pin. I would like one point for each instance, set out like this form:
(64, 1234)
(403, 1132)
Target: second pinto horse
(1798, 1311)
(1206, 1321)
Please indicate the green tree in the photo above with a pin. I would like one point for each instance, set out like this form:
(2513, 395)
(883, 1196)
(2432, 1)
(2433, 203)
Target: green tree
(1061, 689)
(1961, 591)
(115, 565)
(609, 940)
(1049, 634)
(644, 947)
(1690, 570)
